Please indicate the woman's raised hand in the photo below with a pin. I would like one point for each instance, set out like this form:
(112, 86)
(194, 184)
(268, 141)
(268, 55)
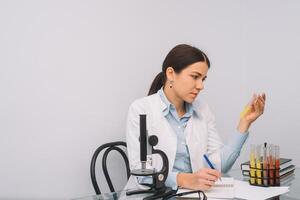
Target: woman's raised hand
(252, 111)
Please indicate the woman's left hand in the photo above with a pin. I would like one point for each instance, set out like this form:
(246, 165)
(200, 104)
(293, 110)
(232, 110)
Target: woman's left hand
(252, 111)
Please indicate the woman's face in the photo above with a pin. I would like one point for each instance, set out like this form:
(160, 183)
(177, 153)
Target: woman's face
(189, 82)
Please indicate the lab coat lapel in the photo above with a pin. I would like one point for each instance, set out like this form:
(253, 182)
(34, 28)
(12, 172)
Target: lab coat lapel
(196, 138)
(167, 139)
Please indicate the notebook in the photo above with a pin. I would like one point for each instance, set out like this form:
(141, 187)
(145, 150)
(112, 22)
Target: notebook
(221, 189)
(284, 162)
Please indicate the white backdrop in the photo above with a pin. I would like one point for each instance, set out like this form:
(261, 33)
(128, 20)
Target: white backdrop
(70, 69)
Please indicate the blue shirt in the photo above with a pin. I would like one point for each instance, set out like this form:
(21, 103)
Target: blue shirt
(229, 152)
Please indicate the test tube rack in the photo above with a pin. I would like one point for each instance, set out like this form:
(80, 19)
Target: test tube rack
(265, 167)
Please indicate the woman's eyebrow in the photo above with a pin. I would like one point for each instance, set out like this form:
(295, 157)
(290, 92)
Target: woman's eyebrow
(199, 74)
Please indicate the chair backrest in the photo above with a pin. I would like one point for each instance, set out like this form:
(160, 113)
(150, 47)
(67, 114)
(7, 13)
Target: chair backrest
(109, 147)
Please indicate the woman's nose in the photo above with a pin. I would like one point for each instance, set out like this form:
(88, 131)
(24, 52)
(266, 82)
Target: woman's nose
(200, 85)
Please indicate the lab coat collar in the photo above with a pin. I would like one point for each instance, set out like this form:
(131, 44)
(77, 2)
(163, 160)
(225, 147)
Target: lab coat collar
(166, 105)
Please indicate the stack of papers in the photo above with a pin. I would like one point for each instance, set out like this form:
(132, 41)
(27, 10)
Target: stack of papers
(246, 191)
(229, 188)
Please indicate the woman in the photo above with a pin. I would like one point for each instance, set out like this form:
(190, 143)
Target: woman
(186, 128)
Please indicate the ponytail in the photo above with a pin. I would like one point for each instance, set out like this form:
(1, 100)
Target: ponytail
(157, 83)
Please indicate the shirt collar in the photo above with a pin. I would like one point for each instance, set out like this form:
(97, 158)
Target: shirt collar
(168, 106)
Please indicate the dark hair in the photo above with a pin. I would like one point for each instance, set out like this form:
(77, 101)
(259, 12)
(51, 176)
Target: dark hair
(178, 58)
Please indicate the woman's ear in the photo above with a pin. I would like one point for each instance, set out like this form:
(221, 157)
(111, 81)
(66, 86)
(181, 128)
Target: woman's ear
(170, 74)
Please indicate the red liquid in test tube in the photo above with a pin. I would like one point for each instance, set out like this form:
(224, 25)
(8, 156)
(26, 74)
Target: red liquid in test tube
(271, 161)
(277, 165)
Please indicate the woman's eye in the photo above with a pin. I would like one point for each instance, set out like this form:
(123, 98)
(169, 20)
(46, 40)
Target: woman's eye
(194, 77)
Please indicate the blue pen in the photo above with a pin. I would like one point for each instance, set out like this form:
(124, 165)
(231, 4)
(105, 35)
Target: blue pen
(209, 163)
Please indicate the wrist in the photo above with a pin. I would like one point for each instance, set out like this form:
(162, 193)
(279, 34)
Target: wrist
(181, 179)
(243, 126)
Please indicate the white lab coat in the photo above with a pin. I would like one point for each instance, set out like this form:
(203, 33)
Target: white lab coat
(200, 133)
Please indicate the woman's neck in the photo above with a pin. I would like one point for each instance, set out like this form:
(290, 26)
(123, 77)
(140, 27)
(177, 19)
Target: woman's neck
(175, 100)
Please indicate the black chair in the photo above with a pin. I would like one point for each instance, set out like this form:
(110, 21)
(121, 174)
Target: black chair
(109, 147)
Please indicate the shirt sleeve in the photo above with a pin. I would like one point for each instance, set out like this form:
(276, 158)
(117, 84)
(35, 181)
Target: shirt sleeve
(231, 151)
(171, 180)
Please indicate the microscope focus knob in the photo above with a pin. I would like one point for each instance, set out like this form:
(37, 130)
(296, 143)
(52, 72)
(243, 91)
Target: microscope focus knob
(153, 140)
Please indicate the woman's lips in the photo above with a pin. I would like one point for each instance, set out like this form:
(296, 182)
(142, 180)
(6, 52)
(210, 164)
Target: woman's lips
(194, 94)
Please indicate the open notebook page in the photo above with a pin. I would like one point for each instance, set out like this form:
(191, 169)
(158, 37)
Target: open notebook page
(221, 189)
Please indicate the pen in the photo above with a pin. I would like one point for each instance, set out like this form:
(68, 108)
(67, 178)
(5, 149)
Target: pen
(209, 163)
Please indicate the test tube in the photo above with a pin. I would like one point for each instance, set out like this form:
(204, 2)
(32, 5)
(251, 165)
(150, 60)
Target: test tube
(252, 164)
(277, 165)
(265, 165)
(258, 165)
(271, 162)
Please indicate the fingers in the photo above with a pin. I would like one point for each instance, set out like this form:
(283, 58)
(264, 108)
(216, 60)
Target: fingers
(264, 96)
(207, 177)
(208, 174)
(259, 104)
(208, 183)
(256, 105)
(258, 101)
(212, 172)
(256, 97)
(203, 179)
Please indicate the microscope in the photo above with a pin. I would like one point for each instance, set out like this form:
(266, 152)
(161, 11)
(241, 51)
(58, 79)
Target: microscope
(158, 187)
